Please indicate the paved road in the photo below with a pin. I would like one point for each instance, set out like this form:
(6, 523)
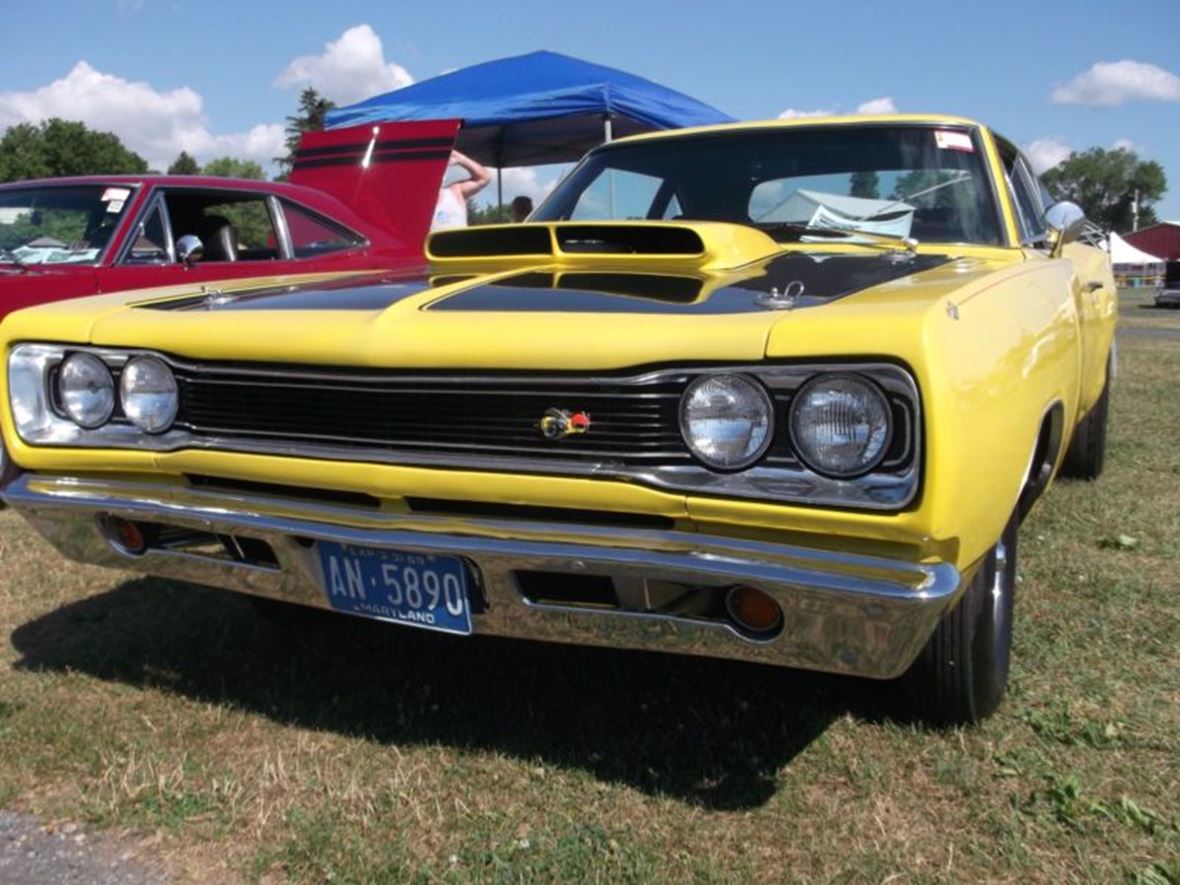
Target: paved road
(29, 853)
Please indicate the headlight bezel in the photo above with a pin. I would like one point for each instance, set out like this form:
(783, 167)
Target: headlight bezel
(39, 419)
(769, 425)
(800, 450)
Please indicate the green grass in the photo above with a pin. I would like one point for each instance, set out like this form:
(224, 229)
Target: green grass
(355, 752)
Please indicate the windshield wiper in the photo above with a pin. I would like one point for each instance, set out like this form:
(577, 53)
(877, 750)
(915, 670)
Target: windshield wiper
(799, 231)
(9, 257)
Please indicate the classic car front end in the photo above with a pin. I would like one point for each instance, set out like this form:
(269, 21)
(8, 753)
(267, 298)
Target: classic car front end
(711, 430)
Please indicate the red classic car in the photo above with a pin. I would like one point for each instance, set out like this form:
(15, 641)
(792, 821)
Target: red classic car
(359, 198)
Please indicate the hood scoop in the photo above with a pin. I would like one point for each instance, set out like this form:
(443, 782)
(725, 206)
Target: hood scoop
(696, 245)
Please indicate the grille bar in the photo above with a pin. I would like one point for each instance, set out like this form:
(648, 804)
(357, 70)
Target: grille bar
(630, 422)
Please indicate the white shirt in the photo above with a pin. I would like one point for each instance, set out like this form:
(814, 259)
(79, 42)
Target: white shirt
(450, 210)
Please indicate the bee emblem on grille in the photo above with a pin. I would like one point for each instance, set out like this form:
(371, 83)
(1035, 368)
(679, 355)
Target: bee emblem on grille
(560, 423)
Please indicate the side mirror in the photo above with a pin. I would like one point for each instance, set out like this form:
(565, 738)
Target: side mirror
(189, 250)
(1064, 222)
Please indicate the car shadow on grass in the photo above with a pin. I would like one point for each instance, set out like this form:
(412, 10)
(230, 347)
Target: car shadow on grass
(707, 732)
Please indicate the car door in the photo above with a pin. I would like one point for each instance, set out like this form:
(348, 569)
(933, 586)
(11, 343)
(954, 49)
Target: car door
(244, 233)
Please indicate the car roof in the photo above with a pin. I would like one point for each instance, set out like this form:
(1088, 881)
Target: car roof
(210, 182)
(799, 122)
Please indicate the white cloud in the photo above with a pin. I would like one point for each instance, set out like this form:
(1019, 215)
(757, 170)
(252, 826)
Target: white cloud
(158, 125)
(528, 181)
(1123, 144)
(883, 105)
(1107, 84)
(792, 113)
(1045, 153)
(349, 69)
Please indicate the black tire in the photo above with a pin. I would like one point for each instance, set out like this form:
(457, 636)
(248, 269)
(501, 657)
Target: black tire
(1086, 455)
(961, 675)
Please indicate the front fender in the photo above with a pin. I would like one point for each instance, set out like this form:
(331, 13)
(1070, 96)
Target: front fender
(998, 360)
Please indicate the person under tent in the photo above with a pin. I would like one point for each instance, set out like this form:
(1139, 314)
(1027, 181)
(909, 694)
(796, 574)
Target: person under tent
(451, 209)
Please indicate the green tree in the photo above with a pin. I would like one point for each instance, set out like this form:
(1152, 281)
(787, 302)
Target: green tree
(488, 213)
(231, 167)
(63, 147)
(1104, 183)
(184, 164)
(309, 117)
(864, 184)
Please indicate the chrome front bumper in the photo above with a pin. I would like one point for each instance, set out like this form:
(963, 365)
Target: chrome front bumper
(844, 613)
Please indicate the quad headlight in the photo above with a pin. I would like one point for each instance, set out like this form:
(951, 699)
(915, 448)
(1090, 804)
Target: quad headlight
(727, 420)
(86, 390)
(148, 393)
(840, 425)
(60, 396)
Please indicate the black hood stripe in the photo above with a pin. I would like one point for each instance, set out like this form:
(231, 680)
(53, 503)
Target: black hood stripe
(822, 278)
(349, 293)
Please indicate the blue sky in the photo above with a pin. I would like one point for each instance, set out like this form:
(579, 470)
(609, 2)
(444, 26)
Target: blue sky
(218, 78)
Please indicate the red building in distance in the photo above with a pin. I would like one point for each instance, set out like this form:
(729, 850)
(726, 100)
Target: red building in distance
(1161, 240)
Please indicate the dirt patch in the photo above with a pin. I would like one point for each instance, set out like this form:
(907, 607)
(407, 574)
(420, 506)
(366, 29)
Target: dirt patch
(32, 851)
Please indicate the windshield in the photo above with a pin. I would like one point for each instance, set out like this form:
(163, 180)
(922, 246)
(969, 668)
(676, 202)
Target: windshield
(915, 181)
(69, 224)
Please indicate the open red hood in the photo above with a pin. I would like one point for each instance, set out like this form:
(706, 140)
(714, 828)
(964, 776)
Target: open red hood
(389, 173)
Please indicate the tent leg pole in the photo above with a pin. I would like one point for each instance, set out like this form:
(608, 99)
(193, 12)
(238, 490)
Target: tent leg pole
(499, 193)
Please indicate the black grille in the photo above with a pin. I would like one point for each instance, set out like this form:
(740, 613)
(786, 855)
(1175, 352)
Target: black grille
(631, 423)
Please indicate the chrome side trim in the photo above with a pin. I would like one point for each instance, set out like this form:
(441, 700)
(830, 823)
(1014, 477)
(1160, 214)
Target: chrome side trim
(883, 491)
(845, 613)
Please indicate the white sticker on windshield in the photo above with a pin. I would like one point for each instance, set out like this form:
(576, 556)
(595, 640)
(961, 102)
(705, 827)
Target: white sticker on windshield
(115, 205)
(116, 194)
(953, 141)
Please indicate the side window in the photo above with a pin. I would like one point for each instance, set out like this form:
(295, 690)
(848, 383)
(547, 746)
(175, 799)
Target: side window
(1047, 196)
(1024, 202)
(251, 224)
(1029, 196)
(150, 242)
(232, 226)
(617, 194)
(312, 235)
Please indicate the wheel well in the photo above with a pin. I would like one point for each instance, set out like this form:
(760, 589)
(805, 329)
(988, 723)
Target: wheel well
(1044, 459)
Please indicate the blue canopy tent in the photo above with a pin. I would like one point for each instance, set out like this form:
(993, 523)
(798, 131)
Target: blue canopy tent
(532, 109)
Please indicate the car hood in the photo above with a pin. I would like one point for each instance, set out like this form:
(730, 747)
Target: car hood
(738, 296)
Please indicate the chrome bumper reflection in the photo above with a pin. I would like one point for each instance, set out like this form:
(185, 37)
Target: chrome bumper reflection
(843, 613)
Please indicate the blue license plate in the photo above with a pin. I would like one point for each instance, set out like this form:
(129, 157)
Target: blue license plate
(419, 589)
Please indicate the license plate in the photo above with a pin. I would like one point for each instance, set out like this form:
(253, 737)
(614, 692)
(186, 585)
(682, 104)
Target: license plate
(418, 589)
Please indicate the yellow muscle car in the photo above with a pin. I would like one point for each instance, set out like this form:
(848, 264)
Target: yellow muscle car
(780, 392)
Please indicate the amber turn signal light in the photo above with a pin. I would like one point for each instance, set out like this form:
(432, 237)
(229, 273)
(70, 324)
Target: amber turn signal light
(753, 610)
(124, 535)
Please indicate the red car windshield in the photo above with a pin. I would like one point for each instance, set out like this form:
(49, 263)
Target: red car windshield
(59, 224)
